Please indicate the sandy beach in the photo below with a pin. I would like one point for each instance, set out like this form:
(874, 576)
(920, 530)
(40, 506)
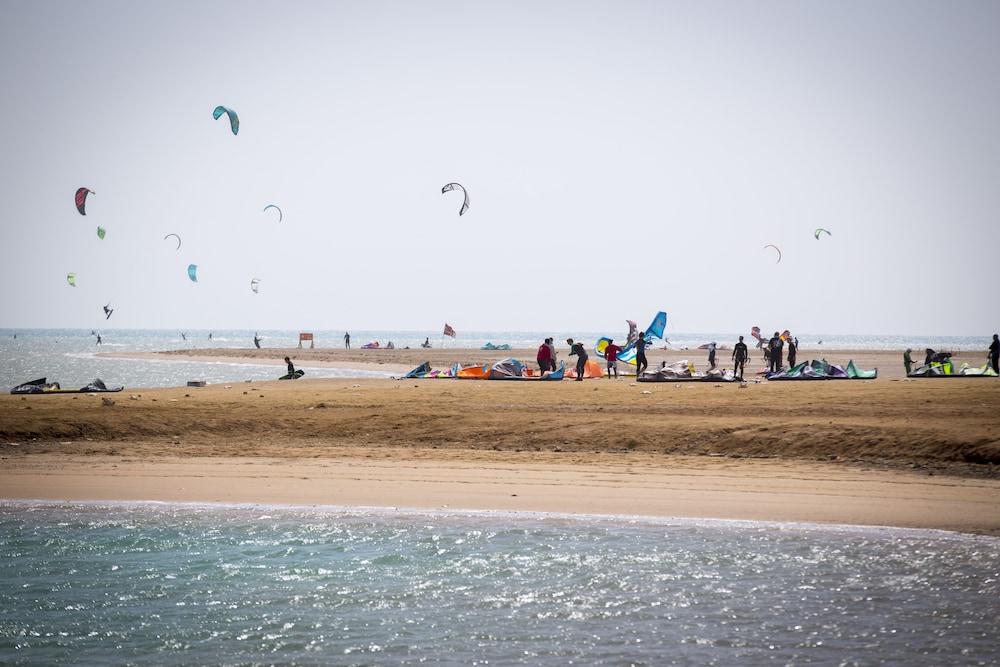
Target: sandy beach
(915, 453)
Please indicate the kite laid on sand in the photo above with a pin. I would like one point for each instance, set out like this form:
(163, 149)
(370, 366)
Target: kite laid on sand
(81, 199)
(234, 120)
(465, 203)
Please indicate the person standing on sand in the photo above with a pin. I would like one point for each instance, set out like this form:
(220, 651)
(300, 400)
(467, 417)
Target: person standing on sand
(256, 340)
(793, 348)
(711, 356)
(552, 352)
(640, 355)
(775, 345)
(544, 356)
(611, 356)
(577, 350)
(908, 360)
(740, 358)
(995, 353)
(347, 340)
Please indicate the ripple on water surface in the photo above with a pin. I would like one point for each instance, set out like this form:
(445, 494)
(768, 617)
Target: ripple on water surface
(185, 584)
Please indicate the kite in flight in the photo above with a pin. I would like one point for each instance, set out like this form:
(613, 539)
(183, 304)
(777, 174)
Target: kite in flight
(176, 237)
(107, 311)
(101, 233)
(465, 203)
(71, 279)
(254, 285)
(234, 120)
(193, 272)
(776, 250)
(820, 229)
(281, 216)
(81, 199)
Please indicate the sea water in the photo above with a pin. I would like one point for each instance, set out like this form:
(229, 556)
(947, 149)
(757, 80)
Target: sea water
(183, 584)
(71, 356)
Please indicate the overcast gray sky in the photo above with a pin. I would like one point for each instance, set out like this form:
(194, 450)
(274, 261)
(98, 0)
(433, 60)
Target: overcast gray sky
(620, 157)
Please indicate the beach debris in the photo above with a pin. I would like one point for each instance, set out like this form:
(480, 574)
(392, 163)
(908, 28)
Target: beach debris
(176, 237)
(196, 383)
(193, 272)
(646, 391)
(771, 245)
(743, 385)
(255, 285)
(71, 279)
(465, 202)
(133, 397)
(81, 199)
(106, 402)
(281, 215)
(173, 400)
(820, 230)
(187, 395)
(234, 120)
(229, 386)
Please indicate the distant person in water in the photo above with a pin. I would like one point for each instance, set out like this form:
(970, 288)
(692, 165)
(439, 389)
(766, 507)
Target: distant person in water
(711, 356)
(256, 340)
(908, 360)
(291, 366)
(995, 353)
(390, 346)
(580, 352)
(793, 348)
(184, 336)
(426, 344)
(210, 335)
(347, 340)
(611, 356)
(740, 357)
(640, 354)
(99, 342)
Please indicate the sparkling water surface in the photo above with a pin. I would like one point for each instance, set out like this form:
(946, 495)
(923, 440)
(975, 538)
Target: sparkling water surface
(178, 584)
(69, 356)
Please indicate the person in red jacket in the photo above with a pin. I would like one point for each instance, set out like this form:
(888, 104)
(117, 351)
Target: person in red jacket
(611, 356)
(544, 356)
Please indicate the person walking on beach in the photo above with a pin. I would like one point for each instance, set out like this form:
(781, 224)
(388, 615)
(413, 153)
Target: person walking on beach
(995, 353)
(256, 340)
(544, 356)
(740, 358)
(611, 356)
(640, 355)
(793, 348)
(711, 356)
(775, 344)
(347, 340)
(577, 350)
(908, 360)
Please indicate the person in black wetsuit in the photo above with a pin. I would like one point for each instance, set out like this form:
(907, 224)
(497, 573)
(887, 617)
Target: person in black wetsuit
(775, 346)
(793, 346)
(256, 340)
(740, 357)
(995, 353)
(578, 350)
(640, 354)
(291, 367)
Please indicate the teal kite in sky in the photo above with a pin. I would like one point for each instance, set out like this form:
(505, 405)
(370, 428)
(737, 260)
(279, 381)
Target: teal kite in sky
(234, 120)
(193, 272)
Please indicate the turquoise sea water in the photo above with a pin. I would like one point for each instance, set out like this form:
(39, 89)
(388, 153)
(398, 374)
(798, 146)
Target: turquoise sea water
(69, 356)
(176, 584)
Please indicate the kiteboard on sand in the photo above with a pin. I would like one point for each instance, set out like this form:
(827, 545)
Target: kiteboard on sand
(293, 376)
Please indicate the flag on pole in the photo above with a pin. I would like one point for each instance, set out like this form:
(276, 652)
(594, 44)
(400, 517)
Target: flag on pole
(448, 331)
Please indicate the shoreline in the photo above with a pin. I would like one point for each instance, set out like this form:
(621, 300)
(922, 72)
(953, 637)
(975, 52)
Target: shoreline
(684, 488)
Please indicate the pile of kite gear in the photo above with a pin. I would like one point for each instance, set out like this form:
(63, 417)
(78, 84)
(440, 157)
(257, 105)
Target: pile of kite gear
(505, 369)
(683, 371)
(940, 365)
(822, 370)
(491, 346)
(40, 386)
